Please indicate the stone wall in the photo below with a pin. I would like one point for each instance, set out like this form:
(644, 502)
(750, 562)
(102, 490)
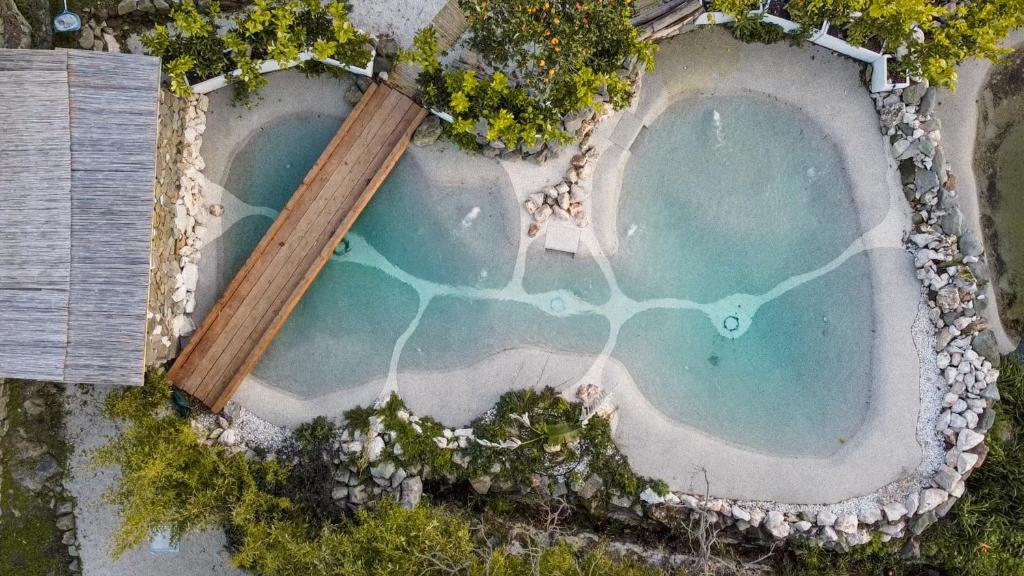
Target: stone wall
(15, 31)
(177, 224)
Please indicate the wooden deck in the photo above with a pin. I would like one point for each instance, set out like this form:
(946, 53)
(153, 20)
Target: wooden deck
(255, 305)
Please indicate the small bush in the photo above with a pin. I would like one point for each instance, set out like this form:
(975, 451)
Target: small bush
(270, 29)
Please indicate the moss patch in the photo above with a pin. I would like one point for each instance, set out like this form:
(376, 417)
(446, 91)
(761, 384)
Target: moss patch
(30, 543)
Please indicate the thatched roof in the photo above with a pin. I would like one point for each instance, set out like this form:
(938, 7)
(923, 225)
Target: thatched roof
(77, 152)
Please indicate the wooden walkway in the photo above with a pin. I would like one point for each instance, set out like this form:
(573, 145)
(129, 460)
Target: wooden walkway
(257, 302)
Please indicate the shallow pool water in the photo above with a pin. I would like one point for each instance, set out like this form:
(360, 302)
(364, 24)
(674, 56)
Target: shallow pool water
(725, 301)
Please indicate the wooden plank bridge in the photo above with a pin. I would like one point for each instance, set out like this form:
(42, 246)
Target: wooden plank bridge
(256, 304)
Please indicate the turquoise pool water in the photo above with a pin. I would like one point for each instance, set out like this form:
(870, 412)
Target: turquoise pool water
(726, 300)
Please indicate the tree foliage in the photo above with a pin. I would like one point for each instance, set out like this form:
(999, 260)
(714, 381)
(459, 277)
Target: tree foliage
(170, 479)
(544, 59)
(268, 30)
(929, 37)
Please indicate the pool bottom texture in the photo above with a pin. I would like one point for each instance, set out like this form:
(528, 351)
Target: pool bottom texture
(429, 268)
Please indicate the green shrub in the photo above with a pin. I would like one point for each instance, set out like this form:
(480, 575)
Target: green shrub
(971, 30)
(269, 29)
(546, 59)
(564, 50)
(752, 29)
(168, 479)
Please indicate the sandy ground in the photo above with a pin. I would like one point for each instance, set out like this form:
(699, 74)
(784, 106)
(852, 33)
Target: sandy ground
(826, 88)
(822, 85)
(201, 554)
(959, 114)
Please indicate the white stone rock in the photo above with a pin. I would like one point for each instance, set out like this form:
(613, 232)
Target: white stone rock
(826, 518)
(869, 514)
(740, 514)
(776, 524)
(968, 439)
(846, 522)
(930, 498)
(650, 496)
(965, 462)
(229, 437)
(894, 511)
(374, 448)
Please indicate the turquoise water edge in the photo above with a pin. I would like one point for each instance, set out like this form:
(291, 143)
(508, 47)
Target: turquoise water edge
(722, 201)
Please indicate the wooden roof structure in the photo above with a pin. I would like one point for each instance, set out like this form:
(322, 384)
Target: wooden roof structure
(284, 264)
(77, 154)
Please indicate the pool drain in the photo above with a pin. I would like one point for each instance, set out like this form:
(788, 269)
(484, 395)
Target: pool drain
(731, 323)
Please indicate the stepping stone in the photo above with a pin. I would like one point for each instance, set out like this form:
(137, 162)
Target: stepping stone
(562, 238)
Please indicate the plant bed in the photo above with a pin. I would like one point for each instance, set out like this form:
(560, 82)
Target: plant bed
(270, 35)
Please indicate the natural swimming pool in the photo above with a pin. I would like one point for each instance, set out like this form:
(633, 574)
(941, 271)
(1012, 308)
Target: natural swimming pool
(726, 299)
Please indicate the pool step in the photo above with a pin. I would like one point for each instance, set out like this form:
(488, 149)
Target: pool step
(563, 238)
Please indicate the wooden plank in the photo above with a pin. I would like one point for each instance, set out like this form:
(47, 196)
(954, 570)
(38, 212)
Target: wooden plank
(251, 309)
(411, 120)
(273, 280)
(199, 342)
(279, 250)
(279, 276)
(283, 271)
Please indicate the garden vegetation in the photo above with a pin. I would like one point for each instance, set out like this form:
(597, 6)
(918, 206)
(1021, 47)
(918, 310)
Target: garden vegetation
(193, 50)
(544, 59)
(928, 37)
(274, 514)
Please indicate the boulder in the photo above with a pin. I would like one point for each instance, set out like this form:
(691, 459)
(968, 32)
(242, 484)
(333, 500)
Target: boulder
(590, 487)
(125, 7)
(775, 524)
(87, 38)
(968, 439)
(930, 498)
(948, 298)
(947, 478)
(374, 449)
(869, 514)
(914, 93)
(353, 95)
(383, 470)
(846, 522)
(952, 221)
(650, 496)
(65, 522)
(428, 131)
(15, 31)
(928, 101)
(481, 485)
(894, 511)
(826, 518)
(412, 491)
(970, 245)
(985, 344)
(925, 180)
